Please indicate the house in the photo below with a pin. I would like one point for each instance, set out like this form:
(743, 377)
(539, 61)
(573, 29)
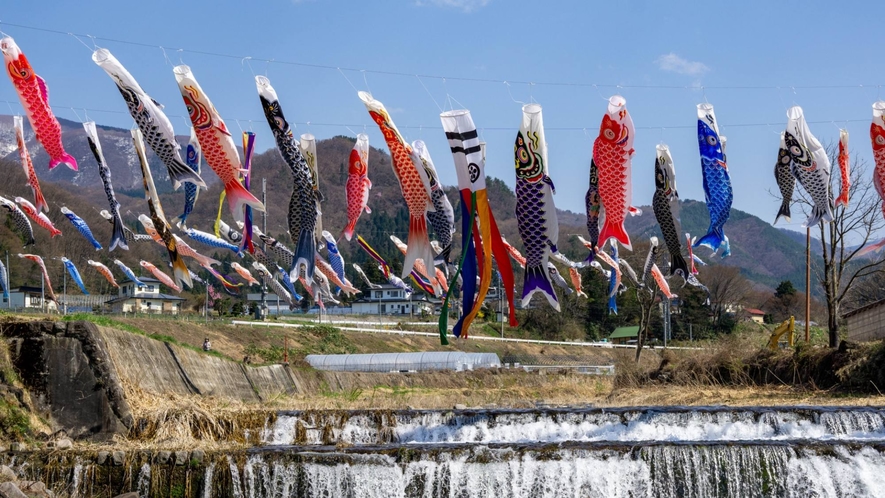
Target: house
(391, 300)
(755, 315)
(866, 323)
(146, 299)
(623, 335)
(26, 297)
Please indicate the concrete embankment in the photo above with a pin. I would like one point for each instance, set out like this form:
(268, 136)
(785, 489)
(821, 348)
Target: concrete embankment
(86, 380)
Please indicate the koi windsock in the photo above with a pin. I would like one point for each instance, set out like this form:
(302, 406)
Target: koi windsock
(476, 252)
(415, 188)
(535, 212)
(844, 169)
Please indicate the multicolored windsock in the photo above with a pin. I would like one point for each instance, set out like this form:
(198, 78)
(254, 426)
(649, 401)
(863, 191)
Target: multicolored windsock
(248, 149)
(419, 280)
(476, 219)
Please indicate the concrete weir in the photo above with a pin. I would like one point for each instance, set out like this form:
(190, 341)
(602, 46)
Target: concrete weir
(75, 372)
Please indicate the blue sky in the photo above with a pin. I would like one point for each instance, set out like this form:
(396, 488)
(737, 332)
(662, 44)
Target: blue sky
(660, 53)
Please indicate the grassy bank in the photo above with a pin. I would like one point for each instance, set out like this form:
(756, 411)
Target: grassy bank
(743, 360)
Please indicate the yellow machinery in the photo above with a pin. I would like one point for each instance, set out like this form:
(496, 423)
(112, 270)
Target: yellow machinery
(787, 327)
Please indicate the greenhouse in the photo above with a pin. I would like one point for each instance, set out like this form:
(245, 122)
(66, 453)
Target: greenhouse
(404, 362)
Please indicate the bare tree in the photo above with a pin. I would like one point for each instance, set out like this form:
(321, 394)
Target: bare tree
(729, 290)
(840, 267)
(866, 290)
(645, 296)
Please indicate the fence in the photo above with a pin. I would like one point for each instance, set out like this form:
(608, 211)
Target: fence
(404, 362)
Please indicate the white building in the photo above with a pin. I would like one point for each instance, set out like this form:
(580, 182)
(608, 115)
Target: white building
(29, 298)
(147, 299)
(391, 300)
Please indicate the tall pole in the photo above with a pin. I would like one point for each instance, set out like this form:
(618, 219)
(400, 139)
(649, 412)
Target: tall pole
(64, 293)
(206, 307)
(501, 304)
(808, 284)
(42, 294)
(9, 301)
(264, 246)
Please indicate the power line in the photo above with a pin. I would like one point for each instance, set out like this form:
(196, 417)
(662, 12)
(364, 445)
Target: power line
(441, 77)
(485, 128)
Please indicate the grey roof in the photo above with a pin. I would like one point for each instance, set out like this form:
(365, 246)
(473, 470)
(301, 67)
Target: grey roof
(143, 279)
(863, 308)
(162, 297)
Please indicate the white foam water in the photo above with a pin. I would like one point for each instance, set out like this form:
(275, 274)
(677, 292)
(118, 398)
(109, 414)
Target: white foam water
(595, 425)
(654, 471)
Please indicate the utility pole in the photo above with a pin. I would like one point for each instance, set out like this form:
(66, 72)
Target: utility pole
(808, 284)
(64, 292)
(263, 307)
(42, 294)
(500, 305)
(9, 301)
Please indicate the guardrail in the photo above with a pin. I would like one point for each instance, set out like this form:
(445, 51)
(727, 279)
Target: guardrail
(606, 345)
(584, 369)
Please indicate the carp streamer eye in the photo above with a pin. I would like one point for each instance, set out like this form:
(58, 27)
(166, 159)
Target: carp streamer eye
(880, 140)
(711, 140)
(609, 134)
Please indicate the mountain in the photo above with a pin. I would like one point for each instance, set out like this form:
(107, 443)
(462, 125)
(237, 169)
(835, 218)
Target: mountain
(799, 238)
(765, 254)
(116, 144)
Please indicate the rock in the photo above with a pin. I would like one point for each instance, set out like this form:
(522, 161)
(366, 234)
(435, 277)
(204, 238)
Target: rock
(163, 456)
(197, 456)
(460, 406)
(35, 489)
(131, 494)
(7, 474)
(180, 457)
(64, 444)
(118, 458)
(10, 490)
(16, 446)
(102, 457)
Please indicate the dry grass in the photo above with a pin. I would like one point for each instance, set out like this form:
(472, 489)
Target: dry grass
(173, 421)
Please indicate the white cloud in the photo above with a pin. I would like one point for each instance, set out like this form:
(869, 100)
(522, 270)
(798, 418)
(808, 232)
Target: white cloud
(675, 64)
(462, 5)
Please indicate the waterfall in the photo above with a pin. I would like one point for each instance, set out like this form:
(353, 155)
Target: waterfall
(514, 426)
(755, 470)
(587, 452)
